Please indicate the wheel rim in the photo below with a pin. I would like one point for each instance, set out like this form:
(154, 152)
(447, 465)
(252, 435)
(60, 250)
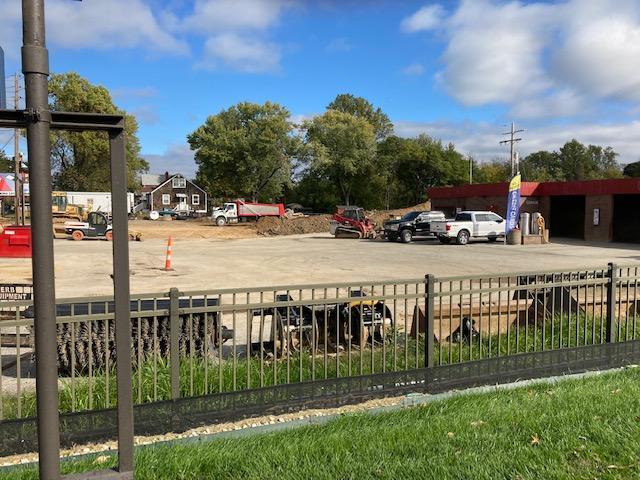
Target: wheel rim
(464, 238)
(406, 236)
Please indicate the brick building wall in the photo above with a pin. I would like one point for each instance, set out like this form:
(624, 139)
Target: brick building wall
(603, 231)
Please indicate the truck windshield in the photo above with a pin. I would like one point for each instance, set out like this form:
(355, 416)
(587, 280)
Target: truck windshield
(407, 217)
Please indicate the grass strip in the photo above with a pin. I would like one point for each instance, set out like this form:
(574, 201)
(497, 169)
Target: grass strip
(587, 428)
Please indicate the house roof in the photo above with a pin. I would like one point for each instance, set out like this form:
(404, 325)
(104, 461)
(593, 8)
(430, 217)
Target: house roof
(171, 178)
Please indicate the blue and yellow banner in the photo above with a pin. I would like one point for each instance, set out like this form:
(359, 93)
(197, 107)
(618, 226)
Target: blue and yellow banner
(513, 204)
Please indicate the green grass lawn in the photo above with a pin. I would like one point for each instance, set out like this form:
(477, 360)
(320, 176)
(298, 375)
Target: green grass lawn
(585, 429)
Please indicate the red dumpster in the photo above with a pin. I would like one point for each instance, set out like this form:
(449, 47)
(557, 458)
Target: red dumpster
(15, 242)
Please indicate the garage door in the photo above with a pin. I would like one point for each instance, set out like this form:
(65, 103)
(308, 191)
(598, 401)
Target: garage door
(567, 216)
(626, 218)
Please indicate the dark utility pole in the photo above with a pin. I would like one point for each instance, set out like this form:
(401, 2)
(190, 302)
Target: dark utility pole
(35, 66)
(512, 141)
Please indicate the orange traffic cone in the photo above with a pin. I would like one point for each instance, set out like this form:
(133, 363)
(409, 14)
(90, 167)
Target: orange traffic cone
(167, 262)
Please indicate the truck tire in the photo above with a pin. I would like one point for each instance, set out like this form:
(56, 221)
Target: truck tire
(492, 239)
(221, 221)
(406, 235)
(444, 240)
(109, 236)
(463, 237)
(77, 235)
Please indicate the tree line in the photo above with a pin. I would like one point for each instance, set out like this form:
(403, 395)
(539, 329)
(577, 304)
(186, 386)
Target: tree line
(348, 154)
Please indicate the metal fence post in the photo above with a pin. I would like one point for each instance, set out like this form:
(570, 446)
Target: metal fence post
(174, 347)
(612, 275)
(429, 303)
(35, 66)
(121, 292)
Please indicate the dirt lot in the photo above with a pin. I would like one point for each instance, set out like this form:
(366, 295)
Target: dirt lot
(219, 262)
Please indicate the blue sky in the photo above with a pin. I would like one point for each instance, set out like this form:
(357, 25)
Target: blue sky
(458, 71)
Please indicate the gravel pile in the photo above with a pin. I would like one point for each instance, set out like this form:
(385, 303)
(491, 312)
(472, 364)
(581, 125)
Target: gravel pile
(292, 226)
(270, 226)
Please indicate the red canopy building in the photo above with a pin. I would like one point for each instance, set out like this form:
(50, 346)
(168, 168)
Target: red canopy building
(595, 210)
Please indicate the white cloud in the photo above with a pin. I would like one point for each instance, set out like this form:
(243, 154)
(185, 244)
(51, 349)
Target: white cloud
(236, 33)
(480, 139)
(212, 16)
(562, 103)
(493, 52)
(93, 24)
(241, 53)
(426, 18)
(415, 69)
(177, 158)
(541, 59)
(600, 54)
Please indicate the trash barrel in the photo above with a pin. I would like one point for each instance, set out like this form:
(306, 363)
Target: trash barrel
(514, 237)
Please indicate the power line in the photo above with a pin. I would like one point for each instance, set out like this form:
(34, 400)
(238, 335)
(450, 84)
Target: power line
(515, 167)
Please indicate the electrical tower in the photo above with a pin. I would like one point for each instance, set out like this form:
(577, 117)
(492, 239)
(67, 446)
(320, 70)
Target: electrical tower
(512, 140)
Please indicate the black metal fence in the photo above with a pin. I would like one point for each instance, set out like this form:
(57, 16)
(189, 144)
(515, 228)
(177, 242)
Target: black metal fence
(245, 344)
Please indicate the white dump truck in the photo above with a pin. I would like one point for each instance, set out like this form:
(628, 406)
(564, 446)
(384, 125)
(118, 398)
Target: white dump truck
(239, 211)
(469, 225)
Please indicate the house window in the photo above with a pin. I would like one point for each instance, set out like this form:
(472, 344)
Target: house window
(179, 182)
(166, 199)
(195, 199)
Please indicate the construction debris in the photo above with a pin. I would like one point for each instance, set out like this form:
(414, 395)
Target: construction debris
(293, 226)
(298, 224)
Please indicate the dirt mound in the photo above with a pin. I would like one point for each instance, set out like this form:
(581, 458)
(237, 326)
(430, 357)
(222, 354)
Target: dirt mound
(320, 223)
(293, 226)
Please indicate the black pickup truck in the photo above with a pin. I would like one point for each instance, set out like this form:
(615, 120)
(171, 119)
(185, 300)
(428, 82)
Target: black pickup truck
(412, 224)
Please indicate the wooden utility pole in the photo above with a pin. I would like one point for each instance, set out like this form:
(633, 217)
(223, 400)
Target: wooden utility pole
(511, 141)
(16, 156)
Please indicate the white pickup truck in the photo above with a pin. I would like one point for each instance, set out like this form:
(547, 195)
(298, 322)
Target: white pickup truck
(469, 225)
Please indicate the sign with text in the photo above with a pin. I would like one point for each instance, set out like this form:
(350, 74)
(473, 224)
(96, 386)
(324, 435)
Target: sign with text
(15, 292)
(513, 204)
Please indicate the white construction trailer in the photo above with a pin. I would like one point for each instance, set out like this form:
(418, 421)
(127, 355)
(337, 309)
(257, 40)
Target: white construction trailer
(96, 201)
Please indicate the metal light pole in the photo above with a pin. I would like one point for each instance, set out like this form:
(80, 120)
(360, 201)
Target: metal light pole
(35, 67)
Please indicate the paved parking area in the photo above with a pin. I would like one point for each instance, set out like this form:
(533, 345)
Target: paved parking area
(83, 268)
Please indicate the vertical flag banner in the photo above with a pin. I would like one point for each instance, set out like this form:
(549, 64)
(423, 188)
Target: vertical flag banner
(513, 204)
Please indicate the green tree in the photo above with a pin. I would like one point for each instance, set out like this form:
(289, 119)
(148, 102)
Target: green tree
(342, 148)
(246, 151)
(495, 171)
(632, 170)
(420, 163)
(81, 159)
(362, 108)
(6, 164)
(579, 162)
(541, 166)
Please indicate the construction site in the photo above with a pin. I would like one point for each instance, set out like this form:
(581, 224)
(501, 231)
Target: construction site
(288, 263)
